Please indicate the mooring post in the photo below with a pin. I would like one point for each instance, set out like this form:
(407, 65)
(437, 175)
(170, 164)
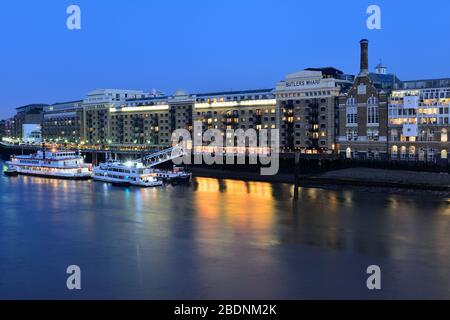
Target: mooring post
(296, 172)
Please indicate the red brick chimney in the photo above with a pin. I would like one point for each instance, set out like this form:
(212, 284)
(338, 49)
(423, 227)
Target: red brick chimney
(364, 57)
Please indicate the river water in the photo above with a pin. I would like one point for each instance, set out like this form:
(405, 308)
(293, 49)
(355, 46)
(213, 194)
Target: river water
(220, 239)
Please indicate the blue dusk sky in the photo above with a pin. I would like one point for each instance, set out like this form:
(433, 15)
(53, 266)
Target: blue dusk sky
(206, 45)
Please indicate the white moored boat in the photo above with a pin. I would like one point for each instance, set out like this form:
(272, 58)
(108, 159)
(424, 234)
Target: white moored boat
(177, 175)
(51, 164)
(142, 172)
(126, 174)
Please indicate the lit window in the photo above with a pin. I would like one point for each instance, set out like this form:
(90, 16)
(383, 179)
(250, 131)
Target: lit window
(348, 153)
(444, 135)
(394, 153)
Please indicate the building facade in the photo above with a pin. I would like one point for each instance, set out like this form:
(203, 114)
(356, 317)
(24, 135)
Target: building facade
(181, 106)
(237, 110)
(7, 128)
(363, 117)
(96, 113)
(145, 121)
(3, 129)
(419, 122)
(26, 117)
(307, 104)
(63, 122)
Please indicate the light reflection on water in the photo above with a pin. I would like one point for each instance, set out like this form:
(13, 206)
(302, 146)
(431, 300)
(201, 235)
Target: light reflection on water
(226, 237)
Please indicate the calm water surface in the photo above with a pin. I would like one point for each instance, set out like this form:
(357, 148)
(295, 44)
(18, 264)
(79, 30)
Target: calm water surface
(220, 239)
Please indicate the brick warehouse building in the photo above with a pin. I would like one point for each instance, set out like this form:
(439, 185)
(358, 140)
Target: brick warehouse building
(62, 122)
(307, 102)
(363, 116)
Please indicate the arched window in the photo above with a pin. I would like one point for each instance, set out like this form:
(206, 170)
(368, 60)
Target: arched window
(394, 152)
(351, 101)
(352, 115)
(373, 101)
(422, 154)
(412, 153)
(403, 153)
(348, 153)
(373, 114)
(444, 135)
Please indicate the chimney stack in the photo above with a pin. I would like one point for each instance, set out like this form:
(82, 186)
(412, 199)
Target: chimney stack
(364, 57)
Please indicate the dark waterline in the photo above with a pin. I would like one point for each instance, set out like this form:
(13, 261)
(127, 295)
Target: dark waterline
(219, 239)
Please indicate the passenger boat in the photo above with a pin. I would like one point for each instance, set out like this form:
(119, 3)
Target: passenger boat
(126, 174)
(51, 164)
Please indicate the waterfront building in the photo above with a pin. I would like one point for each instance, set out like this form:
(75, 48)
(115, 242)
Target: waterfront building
(151, 120)
(62, 122)
(180, 108)
(28, 121)
(141, 121)
(7, 128)
(363, 116)
(307, 104)
(233, 110)
(419, 121)
(182, 104)
(96, 113)
(251, 109)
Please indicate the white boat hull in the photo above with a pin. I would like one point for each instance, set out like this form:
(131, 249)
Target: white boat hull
(64, 164)
(55, 174)
(110, 180)
(175, 177)
(147, 184)
(124, 182)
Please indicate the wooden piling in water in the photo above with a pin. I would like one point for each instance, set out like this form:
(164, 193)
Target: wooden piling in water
(297, 179)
